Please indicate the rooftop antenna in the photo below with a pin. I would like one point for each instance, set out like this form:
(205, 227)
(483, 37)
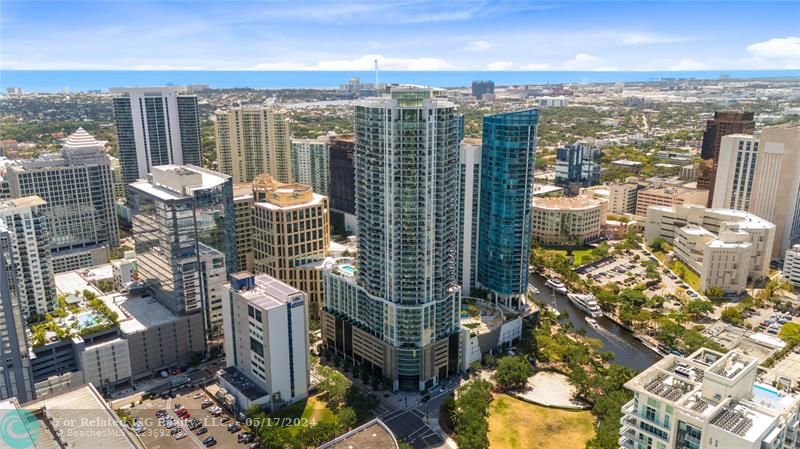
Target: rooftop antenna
(376, 77)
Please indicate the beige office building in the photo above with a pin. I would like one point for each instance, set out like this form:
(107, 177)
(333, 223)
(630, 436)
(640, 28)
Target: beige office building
(776, 185)
(668, 196)
(291, 235)
(622, 198)
(566, 221)
(252, 140)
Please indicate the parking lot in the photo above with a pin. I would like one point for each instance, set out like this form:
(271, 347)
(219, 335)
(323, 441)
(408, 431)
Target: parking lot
(156, 435)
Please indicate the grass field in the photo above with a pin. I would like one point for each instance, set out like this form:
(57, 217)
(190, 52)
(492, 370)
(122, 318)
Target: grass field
(309, 411)
(689, 276)
(578, 254)
(515, 424)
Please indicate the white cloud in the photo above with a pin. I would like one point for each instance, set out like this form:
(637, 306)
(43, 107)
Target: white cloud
(538, 66)
(366, 62)
(689, 64)
(784, 51)
(500, 65)
(583, 61)
(650, 39)
(478, 46)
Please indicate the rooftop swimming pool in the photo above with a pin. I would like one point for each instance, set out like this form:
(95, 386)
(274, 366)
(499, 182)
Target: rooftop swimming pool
(349, 269)
(766, 392)
(86, 319)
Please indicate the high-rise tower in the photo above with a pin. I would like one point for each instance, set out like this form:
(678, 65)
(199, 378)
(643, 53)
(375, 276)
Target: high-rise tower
(723, 123)
(397, 312)
(504, 237)
(155, 126)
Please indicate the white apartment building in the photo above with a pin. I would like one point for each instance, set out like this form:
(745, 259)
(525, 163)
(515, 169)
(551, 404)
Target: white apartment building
(736, 171)
(212, 277)
(310, 160)
(266, 341)
(469, 214)
(725, 247)
(707, 400)
(28, 243)
(124, 271)
(791, 265)
(565, 221)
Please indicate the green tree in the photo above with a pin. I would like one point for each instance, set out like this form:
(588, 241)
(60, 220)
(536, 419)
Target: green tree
(732, 314)
(790, 333)
(334, 385)
(715, 292)
(697, 308)
(512, 372)
(346, 417)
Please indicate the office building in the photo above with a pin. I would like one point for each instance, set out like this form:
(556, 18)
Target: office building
(577, 165)
(506, 185)
(397, 312)
(174, 212)
(707, 400)
(723, 123)
(27, 242)
(568, 221)
(725, 247)
(78, 418)
(310, 163)
(622, 198)
(16, 379)
(481, 88)
(469, 214)
(266, 342)
(341, 191)
(688, 173)
(78, 188)
(243, 210)
(552, 102)
(155, 126)
(291, 234)
(736, 169)
(252, 140)
(776, 188)
(668, 196)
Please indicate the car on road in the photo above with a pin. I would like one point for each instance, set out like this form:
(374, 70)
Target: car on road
(425, 398)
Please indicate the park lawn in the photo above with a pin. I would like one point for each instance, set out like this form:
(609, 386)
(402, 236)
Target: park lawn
(307, 412)
(578, 254)
(689, 276)
(516, 424)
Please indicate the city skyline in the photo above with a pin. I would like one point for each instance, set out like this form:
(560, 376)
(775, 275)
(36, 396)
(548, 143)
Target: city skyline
(479, 36)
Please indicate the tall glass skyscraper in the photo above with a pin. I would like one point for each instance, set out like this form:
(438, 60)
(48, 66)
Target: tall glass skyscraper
(398, 310)
(507, 165)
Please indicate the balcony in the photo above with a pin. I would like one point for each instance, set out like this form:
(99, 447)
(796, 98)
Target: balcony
(625, 443)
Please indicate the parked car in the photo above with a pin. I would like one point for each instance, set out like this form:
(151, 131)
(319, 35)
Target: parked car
(180, 436)
(201, 430)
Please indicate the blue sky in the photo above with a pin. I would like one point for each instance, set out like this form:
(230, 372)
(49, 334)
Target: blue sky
(402, 35)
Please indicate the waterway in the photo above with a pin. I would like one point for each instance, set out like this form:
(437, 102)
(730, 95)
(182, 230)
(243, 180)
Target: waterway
(627, 350)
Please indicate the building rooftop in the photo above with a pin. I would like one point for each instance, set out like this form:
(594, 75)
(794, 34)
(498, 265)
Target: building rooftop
(244, 385)
(263, 290)
(626, 162)
(371, 435)
(81, 139)
(11, 205)
(580, 202)
(137, 313)
(177, 182)
(77, 418)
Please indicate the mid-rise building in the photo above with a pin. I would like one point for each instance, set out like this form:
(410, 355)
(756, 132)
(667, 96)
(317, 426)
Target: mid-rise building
(16, 379)
(155, 126)
(506, 186)
(397, 312)
(252, 140)
(78, 188)
(552, 102)
(176, 211)
(688, 173)
(622, 198)
(569, 220)
(341, 191)
(481, 88)
(723, 123)
(310, 163)
(27, 242)
(291, 235)
(736, 169)
(668, 196)
(469, 214)
(266, 342)
(707, 400)
(243, 210)
(776, 188)
(725, 247)
(791, 265)
(577, 165)
(123, 271)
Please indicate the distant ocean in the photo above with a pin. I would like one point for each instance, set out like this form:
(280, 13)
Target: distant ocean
(86, 80)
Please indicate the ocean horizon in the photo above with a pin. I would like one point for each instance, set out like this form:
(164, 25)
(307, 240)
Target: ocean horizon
(102, 80)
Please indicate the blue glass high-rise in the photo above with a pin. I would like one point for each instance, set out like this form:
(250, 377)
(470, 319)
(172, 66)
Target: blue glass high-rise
(507, 171)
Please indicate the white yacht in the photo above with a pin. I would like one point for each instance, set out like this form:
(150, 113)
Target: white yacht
(592, 322)
(586, 303)
(557, 285)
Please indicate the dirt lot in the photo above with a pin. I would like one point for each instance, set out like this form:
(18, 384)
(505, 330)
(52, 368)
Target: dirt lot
(157, 436)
